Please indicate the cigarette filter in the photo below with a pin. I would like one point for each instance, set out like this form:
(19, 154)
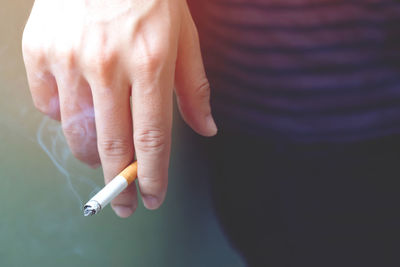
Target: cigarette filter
(111, 190)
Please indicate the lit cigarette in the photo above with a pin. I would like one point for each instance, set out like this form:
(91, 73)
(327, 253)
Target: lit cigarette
(111, 190)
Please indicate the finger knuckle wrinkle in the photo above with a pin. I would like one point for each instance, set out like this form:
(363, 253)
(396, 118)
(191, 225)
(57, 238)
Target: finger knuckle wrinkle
(150, 140)
(203, 90)
(77, 137)
(74, 131)
(152, 183)
(114, 147)
(156, 184)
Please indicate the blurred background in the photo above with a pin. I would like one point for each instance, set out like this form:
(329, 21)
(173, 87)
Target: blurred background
(43, 188)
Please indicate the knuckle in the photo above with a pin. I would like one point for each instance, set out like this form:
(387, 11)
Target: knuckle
(33, 56)
(203, 90)
(153, 184)
(150, 140)
(65, 59)
(151, 58)
(101, 64)
(154, 61)
(151, 63)
(33, 48)
(112, 148)
(104, 61)
(77, 137)
(74, 130)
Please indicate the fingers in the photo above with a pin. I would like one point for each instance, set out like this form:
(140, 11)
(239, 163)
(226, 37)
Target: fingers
(192, 87)
(152, 117)
(43, 87)
(77, 117)
(114, 133)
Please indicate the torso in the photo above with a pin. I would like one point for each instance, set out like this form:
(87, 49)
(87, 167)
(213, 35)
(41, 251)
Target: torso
(308, 70)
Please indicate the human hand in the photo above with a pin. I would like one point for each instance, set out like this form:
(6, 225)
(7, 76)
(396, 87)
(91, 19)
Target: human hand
(85, 59)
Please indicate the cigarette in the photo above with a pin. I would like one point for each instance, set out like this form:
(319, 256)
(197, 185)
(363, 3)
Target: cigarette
(111, 190)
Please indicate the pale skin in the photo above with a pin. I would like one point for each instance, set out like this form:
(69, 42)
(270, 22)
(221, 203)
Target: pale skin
(120, 60)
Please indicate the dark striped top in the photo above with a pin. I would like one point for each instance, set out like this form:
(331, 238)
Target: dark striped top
(308, 70)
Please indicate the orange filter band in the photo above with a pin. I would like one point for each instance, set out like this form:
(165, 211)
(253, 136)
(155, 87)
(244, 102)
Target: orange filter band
(130, 173)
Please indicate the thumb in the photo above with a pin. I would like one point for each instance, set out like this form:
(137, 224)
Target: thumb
(192, 87)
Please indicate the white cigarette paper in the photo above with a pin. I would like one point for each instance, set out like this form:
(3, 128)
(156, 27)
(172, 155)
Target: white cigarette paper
(111, 190)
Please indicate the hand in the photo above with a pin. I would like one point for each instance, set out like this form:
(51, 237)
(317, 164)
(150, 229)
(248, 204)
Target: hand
(85, 59)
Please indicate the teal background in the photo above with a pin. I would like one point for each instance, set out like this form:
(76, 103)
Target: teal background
(41, 222)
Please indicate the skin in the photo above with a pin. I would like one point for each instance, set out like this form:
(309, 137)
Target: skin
(107, 70)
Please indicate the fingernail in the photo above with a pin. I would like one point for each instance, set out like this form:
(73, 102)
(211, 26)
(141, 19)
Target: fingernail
(123, 211)
(212, 127)
(151, 202)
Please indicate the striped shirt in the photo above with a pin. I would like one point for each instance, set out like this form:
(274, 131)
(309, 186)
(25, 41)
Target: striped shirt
(306, 70)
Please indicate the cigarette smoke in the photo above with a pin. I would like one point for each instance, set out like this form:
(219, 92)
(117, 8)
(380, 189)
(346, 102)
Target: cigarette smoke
(52, 141)
(20, 120)
(80, 179)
